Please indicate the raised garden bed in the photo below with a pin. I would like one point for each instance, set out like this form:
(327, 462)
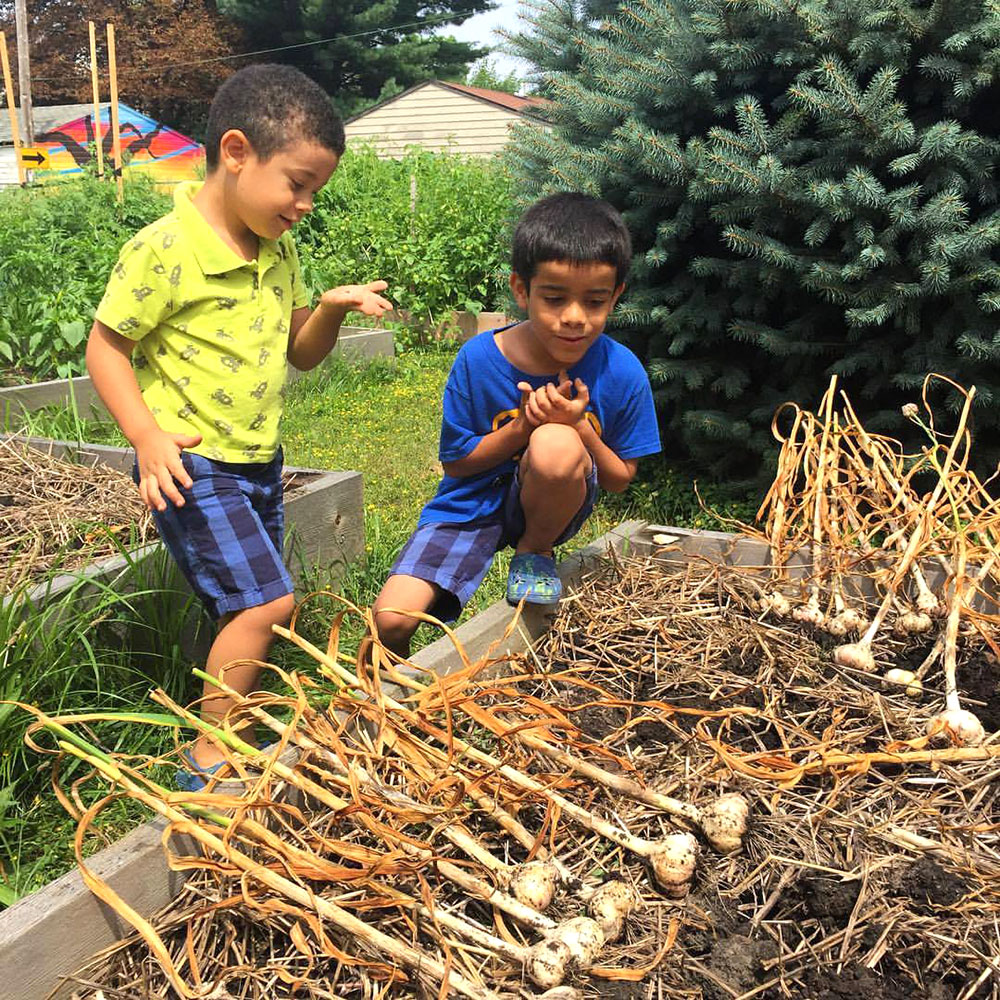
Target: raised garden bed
(50, 933)
(323, 510)
(864, 849)
(79, 393)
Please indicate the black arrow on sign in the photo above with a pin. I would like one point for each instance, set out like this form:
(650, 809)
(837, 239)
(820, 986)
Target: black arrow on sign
(36, 157)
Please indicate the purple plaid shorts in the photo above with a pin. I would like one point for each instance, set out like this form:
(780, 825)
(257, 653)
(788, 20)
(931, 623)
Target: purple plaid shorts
(227, 537)
(456, 557)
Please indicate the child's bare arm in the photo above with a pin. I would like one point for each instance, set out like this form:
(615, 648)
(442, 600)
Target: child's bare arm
(314, 332)
(613, 473)
(157, 452)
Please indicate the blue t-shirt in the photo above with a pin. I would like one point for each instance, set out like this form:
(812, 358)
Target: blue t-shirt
(482, 395)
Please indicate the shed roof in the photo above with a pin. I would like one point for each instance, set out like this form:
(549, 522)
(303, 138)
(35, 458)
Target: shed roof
(526, 106)
(46, 118)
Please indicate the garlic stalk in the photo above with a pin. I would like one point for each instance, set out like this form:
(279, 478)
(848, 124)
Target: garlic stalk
(667, 857)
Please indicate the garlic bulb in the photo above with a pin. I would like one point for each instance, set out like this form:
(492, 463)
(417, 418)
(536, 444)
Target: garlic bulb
(584, 939)
(562, 993)
(929, 604)
(610, 905)
(673, 862)
(853, 620)
(534, 884)
(809, 614)
(897, 678)
(836, 626)
(547, 962)
(959, 726)
(856, 655)
(913, 623)
(776, 603)
(724, 822)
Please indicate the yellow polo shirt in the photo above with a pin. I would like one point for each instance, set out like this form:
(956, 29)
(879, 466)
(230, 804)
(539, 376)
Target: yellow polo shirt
(211, 330)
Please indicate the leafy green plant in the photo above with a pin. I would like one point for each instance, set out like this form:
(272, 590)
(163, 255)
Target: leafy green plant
(57, 245)
(431, 224)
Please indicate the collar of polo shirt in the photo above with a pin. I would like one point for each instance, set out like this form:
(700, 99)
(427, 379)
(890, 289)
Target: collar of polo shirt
(213, 254)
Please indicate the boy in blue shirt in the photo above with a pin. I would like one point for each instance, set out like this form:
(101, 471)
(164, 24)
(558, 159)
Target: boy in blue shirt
(189, 352)
(537, 417)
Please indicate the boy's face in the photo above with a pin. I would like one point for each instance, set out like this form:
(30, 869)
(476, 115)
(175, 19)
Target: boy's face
(273, 194)
(567, 306)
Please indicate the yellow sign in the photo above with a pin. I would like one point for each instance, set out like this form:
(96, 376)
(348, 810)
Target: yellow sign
(34, 157)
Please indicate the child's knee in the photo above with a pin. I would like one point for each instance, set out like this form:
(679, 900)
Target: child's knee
(394, 628)
(556, 452)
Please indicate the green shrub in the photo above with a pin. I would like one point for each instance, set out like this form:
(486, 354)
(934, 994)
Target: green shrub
(59, 242)
(431, 224)
(57, 245)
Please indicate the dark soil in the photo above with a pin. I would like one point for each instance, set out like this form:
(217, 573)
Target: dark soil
(979, 678)
(925, 881)
(857, 983)
(830, 901)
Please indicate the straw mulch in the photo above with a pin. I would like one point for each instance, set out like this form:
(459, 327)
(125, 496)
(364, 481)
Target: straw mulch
(871, 866)
(669, 692)
(62, 515)
(57, 515)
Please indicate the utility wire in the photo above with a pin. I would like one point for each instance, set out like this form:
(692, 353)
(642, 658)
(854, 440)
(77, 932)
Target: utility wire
(442, 18)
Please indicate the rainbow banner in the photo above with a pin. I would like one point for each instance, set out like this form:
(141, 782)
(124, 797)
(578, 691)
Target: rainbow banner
(148, 147)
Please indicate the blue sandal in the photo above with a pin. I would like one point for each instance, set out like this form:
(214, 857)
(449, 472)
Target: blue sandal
(197, 777)
(533, 578)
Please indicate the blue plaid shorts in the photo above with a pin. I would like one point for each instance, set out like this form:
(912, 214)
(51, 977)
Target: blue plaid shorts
(456, 557)
(227, 538)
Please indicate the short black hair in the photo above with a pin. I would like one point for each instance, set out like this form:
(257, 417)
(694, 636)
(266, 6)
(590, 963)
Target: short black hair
(273, 106)
(573, 227)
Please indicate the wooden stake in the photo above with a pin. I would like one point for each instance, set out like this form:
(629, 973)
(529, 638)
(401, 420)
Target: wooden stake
(98, 139)
(8, 84)
(116, 138)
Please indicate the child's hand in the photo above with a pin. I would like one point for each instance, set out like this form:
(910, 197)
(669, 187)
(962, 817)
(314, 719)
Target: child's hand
(554, 403)
(359, 298)
(158, 455)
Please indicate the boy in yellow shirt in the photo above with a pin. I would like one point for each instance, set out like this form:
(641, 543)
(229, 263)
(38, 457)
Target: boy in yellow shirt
(202, 312)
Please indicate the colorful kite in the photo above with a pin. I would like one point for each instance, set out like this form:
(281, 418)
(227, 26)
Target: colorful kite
(148, 146)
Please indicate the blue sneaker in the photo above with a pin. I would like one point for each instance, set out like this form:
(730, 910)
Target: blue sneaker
(195, 779)
(533, 579)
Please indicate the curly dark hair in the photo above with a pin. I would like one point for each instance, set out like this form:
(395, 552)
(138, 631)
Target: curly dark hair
(273, 106)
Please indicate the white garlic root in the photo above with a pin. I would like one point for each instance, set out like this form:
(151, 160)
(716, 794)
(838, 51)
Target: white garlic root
(776, 603)
(898, 678)
(810, 612)
(672, 861)
(583, 938)
(855, 656)
(561, 993)
(611, 905)
(913, 623)
(547, 963)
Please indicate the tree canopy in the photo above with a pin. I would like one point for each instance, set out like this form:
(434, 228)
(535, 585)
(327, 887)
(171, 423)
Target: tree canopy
(173, 54)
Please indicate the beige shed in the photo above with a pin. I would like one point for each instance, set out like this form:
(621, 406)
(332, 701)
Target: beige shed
(444, 116)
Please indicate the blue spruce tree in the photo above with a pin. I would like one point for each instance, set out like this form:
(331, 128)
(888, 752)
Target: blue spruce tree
(811, 190)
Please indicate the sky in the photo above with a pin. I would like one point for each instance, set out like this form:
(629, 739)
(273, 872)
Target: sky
(479, 30)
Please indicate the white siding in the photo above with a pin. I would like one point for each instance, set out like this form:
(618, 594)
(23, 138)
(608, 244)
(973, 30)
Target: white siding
(8, 166)
(436, 118)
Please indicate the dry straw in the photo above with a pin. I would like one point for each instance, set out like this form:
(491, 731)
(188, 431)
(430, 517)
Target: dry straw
(392, 857)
